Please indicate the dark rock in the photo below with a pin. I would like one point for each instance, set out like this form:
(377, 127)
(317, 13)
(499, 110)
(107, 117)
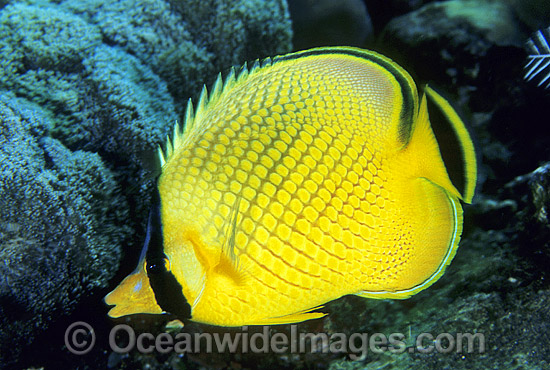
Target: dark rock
(532, 192)
(461, 32)
(474, 52)
(534, 13)
(329, 23)
(386, 10)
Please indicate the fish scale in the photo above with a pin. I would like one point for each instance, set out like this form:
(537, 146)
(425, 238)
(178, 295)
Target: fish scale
(299, 181)
(250, 242)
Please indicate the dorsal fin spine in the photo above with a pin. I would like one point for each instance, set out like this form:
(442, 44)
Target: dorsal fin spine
(189, 116)
(266, 62)
(169, 147)
(230, 79)
(217, 88)
(243, 72)
(255, 66)
(201, 105)
(162, 159)
(177, 136)
(194, 116)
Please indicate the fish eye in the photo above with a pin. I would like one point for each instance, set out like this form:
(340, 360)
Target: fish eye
(159, 266)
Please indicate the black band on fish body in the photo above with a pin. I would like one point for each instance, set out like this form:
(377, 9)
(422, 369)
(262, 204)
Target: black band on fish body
(166, 287)
(408, 92)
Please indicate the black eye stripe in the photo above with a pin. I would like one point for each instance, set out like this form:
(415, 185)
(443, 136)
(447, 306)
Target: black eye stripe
(167, 289)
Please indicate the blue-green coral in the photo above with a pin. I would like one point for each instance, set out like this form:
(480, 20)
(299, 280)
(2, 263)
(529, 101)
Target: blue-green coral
(101, 98)
(117, 74)
(87, 87)
(61, 226)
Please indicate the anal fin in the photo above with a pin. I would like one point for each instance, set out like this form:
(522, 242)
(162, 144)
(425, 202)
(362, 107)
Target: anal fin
(292, 318)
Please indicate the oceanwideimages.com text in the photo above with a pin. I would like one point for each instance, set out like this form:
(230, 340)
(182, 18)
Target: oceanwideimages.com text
(80, 339)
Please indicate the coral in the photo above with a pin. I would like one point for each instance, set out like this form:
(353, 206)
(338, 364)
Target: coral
(156, 37)
(133, 108)
(101, 98)
(41, 54)
(244, 30)
(88, 89)
(116, 74)
(61, 225)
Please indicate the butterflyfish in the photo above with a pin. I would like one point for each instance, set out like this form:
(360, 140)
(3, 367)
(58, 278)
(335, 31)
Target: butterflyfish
(304, 178)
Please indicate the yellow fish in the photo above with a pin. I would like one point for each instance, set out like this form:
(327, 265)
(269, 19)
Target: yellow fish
(302, 179)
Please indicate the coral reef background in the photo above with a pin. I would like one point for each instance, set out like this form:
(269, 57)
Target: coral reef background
(89, 88)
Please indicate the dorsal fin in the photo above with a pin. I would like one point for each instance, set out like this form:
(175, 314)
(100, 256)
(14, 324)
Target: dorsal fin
(455, 144)
(193, 120)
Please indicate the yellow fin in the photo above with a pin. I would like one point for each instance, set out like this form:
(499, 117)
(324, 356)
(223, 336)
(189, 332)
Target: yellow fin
(292, 318)
(132, 296)
(438, 242)
(228, 247)
(195, 120)
(433, 201)
(174, 326)
(464, 152)
(213, 265)
(421, 156)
